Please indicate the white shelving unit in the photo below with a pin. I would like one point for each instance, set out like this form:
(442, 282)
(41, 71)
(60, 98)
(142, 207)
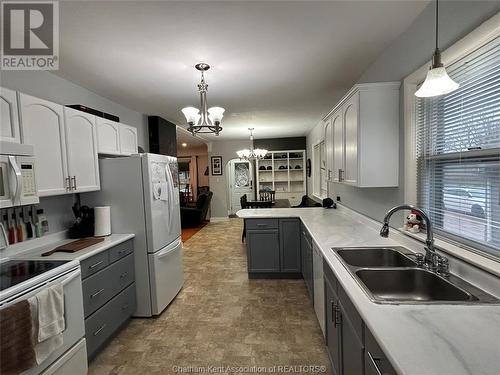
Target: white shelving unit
(285, 173)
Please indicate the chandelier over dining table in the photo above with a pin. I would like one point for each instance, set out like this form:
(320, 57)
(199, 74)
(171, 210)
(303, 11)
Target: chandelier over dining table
(203, 120)
(251, 153)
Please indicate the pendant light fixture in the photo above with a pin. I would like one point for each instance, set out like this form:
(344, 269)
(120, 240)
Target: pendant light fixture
(208, 121)
(251, 153)
(437, 82)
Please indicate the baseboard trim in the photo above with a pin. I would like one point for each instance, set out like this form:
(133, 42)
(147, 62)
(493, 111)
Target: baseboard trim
(218, 218)
(275, 275)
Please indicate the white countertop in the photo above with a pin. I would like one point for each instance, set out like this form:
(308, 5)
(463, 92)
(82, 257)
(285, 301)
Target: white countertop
(417, 339)
(36, 251)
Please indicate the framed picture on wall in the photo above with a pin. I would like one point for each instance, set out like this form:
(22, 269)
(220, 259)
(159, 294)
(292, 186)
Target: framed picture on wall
(216, 162)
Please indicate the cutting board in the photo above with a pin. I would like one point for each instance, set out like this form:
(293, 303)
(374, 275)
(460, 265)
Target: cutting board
(74, 246)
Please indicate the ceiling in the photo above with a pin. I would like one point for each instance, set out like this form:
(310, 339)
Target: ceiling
(277, 66)
(183, 136)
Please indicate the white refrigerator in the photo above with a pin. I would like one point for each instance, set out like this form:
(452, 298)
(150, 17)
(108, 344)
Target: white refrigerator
(143, 192)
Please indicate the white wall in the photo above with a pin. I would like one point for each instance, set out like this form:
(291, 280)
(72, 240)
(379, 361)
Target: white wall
(218, 184)
(48, 86)
(406, 54)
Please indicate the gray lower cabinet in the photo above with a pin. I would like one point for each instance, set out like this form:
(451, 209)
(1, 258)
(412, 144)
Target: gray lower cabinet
(273, 247)
(376, 363)
(108, 294)
(307, 261)
(104, 323)
(290, 245)
(351, 346)
(332, 322)
(263, 250)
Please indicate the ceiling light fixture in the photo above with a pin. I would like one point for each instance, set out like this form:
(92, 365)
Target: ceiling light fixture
(251, 153)
(184, 144)
(208, 121)
(437, 82)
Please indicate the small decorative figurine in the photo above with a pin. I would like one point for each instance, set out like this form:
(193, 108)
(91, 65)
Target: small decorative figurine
(413, 222)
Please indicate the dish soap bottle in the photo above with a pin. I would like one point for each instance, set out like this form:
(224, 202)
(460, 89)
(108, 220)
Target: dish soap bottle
(42, 224)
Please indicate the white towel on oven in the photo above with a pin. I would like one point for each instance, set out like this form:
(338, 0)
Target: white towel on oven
(47, 311)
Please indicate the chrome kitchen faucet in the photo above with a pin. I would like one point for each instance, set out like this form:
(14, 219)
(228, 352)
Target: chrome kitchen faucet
(432, 260)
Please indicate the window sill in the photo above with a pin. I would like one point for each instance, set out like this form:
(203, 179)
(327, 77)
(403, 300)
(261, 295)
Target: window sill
(478, 258)
(318, 198)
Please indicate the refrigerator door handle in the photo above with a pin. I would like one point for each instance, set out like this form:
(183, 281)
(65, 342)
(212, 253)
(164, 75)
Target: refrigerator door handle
(170, 195)
(169, 249)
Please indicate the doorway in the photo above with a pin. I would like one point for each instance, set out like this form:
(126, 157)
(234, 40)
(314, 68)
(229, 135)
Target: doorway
(240, 182)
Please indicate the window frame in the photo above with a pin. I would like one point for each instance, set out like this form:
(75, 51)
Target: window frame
(486, 32)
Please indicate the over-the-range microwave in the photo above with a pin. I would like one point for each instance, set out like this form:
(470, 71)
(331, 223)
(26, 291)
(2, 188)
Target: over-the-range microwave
(17, 175)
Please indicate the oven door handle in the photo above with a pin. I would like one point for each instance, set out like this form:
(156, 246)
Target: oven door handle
(19, 180)
(71, 277)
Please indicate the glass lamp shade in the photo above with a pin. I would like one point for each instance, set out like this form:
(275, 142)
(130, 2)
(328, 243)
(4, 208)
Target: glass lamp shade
(243, 154)
(260, 153)
(215, 114)
(436, 83)
(192, 115)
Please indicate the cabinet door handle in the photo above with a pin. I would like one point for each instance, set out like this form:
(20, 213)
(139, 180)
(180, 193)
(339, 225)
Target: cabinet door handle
(96, 264)
(374, 362)
(338, 316)
(340, 174)
(99, 329)
(125, 307)
(97, 293)
(123, 275)
(68, 183)
(74, 182)
(329, 174)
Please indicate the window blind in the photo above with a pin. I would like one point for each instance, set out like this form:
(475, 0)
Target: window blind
(458, 152)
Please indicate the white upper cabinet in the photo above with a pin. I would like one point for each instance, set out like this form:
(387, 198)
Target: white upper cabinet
(9, 119)
(65, 146)
(108, 135)
(350, 116)
(128, 140)
(115, 138)
(42, 124)
(365, 127)
(329, 149)
(81, 142)
(338, 145)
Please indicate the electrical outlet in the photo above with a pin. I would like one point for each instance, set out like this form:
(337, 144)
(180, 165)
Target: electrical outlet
(338, 198)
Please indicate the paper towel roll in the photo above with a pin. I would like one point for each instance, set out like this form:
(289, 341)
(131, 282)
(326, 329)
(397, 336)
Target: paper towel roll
(102, 221)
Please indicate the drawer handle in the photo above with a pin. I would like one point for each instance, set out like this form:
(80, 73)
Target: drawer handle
(97, 293)
(374, 363)
(96, 264)
(262, 225)
(120, 252)
(99, 330)
(123, 275)
(125, 307)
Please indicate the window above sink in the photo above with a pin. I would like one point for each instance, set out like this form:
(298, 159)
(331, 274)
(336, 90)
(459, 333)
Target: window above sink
(452, 161)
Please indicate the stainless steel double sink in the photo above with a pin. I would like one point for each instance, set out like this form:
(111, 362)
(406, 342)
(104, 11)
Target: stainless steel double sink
(391, 275)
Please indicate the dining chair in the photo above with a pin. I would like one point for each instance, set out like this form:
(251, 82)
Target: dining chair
(267, 195)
